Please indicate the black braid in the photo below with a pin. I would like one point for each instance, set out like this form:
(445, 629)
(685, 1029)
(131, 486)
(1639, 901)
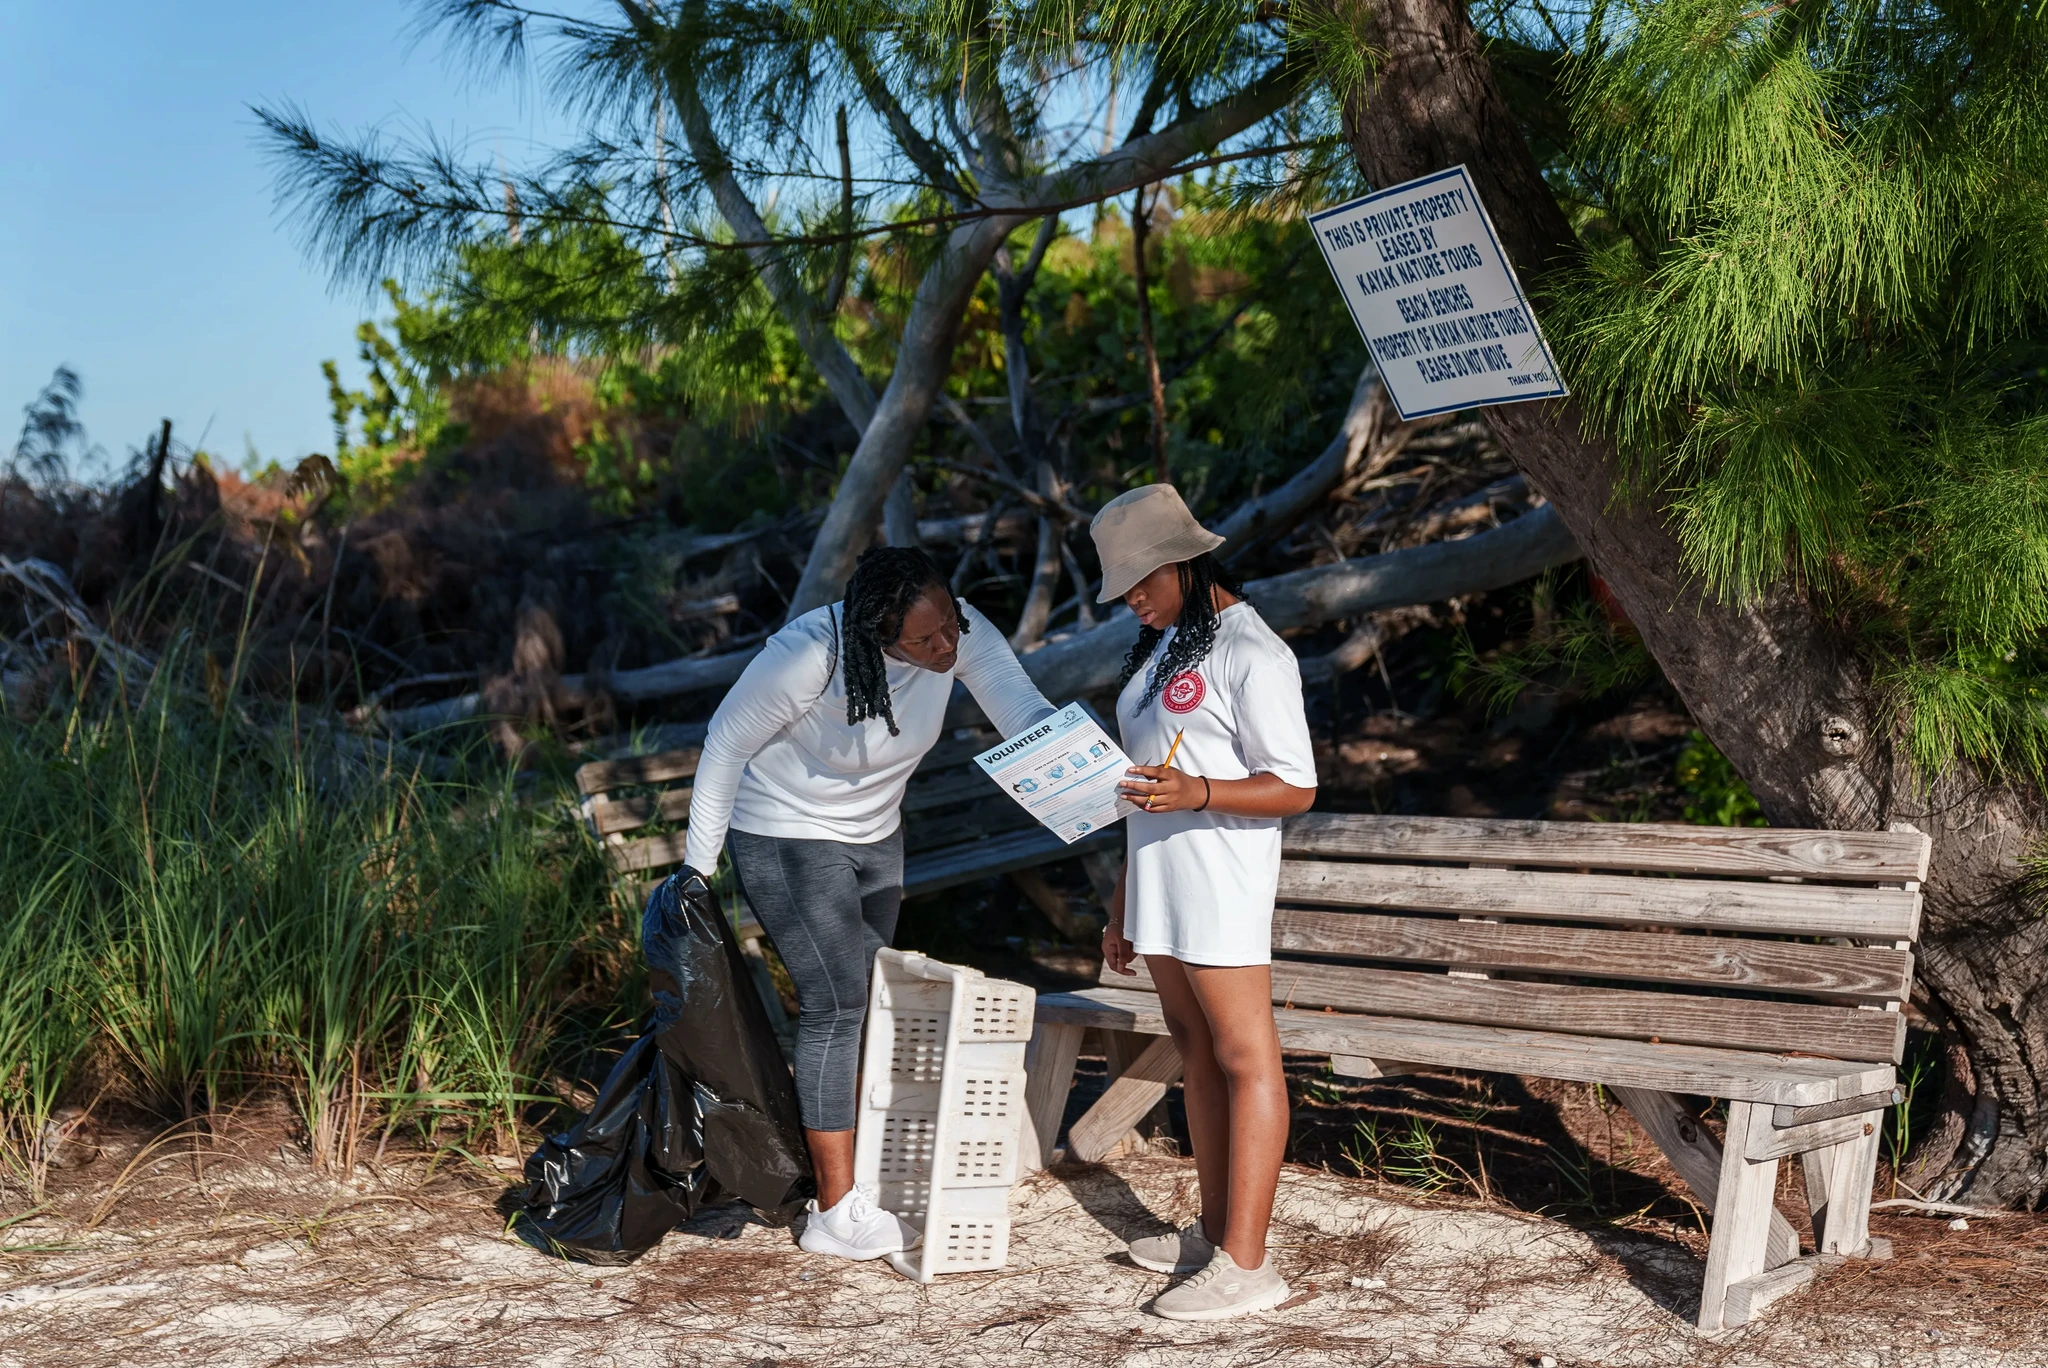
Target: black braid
(885, 583)
(1200, 578)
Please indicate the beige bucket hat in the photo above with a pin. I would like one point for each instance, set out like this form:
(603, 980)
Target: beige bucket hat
(1137, 532)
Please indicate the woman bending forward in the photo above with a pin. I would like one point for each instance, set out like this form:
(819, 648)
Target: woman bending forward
(806, 763)
(1197, 895)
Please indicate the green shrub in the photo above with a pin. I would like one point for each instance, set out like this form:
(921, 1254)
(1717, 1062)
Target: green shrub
(1715, 793)
(207, 915)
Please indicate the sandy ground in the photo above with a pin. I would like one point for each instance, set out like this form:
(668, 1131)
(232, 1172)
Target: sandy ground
(257, 1260)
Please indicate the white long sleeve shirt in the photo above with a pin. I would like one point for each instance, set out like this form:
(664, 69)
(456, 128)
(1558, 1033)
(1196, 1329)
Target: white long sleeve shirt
(781, 761)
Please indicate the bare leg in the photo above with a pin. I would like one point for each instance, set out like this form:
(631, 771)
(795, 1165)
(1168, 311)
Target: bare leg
(832, 1162)
(1204, 1092)
(1237, 1003)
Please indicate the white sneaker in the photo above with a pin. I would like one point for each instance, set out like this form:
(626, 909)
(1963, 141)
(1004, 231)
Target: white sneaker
(1223, 1290)
(1187, 1250)
(855, 1228)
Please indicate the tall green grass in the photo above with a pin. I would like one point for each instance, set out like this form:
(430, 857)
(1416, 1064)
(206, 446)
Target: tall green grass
(196, 910)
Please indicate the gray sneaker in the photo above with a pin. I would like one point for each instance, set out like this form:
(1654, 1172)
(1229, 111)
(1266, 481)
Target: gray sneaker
(1223, 1290)
(1177, 1251)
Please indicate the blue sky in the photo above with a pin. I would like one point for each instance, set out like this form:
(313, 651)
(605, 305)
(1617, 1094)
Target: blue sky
(139, 244)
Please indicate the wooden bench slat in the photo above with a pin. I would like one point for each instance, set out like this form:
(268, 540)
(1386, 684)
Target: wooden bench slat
(1788, 909)
(998, 855)
(1847, 856)
(1741, 1075)
(611, 815)
(955, 751)
(1880, 974)
(653, 853)
(602, 776)
(949, 787)
(1620, 1013)
(979, 822)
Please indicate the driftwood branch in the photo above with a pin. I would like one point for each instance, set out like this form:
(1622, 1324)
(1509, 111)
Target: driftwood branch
(1275, 511)
(970, 528)
(924, 354)
(1087, 661)
(1367, 639)
(1057, 508)
(975, 432)
(1937, 1208)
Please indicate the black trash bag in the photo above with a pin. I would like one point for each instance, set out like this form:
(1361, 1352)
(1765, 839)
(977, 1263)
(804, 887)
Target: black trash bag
(699, 1111)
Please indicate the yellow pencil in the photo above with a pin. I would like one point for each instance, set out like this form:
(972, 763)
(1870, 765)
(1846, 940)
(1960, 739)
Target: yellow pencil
(1166, 763)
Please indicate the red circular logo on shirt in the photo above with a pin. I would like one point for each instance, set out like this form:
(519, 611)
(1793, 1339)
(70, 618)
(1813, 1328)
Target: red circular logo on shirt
(1184, 693)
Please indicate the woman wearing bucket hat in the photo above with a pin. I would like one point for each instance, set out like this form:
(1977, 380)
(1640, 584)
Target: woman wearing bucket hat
(1204, 862)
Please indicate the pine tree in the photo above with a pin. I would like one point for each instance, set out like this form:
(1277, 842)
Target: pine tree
(702, 113)
(1811, 309)
(1794, 255)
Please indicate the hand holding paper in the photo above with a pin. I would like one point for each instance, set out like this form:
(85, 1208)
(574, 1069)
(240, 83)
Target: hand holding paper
(1063, 771)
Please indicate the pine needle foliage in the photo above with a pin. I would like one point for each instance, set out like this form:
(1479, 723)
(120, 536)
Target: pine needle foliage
(953, 111)
(1811, 311)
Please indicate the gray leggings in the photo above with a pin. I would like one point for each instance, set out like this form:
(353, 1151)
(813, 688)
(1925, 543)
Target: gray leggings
(828, 906)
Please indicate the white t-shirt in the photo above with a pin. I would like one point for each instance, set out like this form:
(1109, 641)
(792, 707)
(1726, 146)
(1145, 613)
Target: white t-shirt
(1199, 885)
(781, 761)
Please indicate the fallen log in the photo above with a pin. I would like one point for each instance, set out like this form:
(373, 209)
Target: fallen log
(1367, 639)
(973, 527)
(665, 680)
(1088, 661)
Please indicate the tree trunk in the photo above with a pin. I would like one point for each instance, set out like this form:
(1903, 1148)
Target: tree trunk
(1777, 685)
(924, 354)
(1013, 290)
(1141, 228)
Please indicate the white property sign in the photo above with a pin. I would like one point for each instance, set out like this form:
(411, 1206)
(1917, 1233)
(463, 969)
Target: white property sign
(1440, 307)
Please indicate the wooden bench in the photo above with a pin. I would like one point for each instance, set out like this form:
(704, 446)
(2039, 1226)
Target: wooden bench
(957, 827)
(1759, 966)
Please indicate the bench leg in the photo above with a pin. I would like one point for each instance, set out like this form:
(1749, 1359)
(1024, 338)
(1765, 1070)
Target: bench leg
(1135, 1091)
(1739, 1246)
(1838, 1181)
(1697, 1158)
(1359, 1066)
(1121, 1049)
(1048, 1076)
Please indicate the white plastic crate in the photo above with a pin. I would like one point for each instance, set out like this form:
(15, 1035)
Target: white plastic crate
(942, 1107)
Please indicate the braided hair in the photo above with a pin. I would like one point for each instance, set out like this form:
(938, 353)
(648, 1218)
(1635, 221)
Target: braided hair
(1200, 578)
(886, 582)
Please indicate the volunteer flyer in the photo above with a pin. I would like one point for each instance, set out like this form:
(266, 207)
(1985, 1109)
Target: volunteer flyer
(1064, 771)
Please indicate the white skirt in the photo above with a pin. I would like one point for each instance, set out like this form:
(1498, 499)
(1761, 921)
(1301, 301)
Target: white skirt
(1199, 886)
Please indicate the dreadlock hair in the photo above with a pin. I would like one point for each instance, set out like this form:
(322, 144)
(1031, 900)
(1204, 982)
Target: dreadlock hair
(1200, 578)
(886, 581)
